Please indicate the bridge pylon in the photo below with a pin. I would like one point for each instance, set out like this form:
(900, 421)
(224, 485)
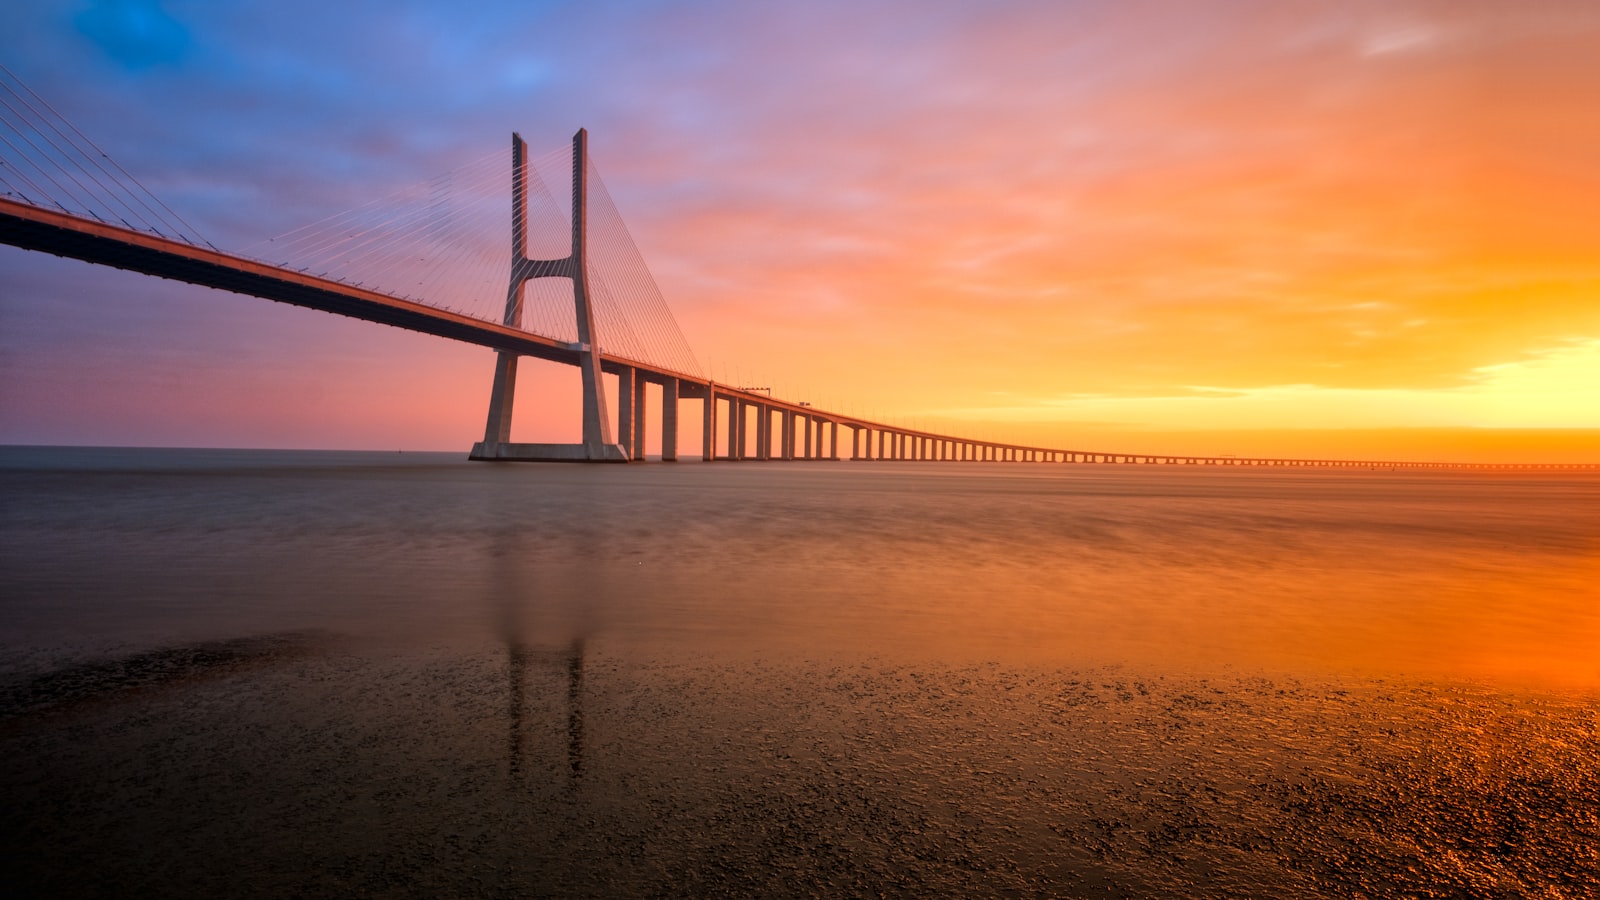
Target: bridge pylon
(598, 443)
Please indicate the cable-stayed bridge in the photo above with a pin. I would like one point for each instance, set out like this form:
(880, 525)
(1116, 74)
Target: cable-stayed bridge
(553, 276)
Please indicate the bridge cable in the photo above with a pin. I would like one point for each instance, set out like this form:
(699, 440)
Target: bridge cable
(76, 148)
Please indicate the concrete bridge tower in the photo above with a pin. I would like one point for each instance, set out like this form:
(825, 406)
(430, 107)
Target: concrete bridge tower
(598, 444)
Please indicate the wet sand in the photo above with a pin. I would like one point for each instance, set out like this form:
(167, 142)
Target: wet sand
(319, 767)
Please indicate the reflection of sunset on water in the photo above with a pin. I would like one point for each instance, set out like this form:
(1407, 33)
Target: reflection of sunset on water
(936, 679)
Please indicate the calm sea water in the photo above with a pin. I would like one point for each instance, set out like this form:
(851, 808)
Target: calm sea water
(264, 673)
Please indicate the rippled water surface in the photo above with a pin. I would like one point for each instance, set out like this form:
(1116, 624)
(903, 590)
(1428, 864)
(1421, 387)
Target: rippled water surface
(287, 673)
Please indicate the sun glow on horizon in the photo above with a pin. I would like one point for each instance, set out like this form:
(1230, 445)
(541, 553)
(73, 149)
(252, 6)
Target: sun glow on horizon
(1559, 388)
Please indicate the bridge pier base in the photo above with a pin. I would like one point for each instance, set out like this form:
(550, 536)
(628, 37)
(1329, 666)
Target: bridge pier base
(516, 452)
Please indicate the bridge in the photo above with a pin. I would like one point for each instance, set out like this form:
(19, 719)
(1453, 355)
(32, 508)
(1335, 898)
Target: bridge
(59, 194)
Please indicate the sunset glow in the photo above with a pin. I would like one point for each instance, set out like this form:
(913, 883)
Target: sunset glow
(1072, 223)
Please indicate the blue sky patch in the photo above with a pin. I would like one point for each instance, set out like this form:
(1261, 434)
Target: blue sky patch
(138, 34)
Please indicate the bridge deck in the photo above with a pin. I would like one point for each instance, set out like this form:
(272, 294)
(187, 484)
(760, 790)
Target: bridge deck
(34, 228)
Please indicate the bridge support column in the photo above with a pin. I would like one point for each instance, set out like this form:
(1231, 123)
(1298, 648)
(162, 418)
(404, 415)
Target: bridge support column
(625, 413)
(637, 447)
(669, 420)
(501, 399)
(708, 425)
(736, 436)
(763, 433)
(833, 440)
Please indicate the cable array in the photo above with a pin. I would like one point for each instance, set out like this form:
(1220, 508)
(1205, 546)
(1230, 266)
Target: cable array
(435, 242)
(633, 318)
(446, 243)
(46, 161)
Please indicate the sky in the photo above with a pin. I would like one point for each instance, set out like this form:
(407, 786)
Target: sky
(1232, 227)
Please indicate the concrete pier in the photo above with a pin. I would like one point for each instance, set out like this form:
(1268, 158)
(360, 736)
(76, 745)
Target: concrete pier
(669, 421)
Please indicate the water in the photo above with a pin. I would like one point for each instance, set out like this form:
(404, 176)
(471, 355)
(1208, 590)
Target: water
(283, 673)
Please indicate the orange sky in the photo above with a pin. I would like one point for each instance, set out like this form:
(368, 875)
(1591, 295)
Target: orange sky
(1346, 223)
(1127, 226)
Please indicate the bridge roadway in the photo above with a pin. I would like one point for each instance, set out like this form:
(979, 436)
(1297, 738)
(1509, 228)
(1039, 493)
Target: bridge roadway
(802, 432)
